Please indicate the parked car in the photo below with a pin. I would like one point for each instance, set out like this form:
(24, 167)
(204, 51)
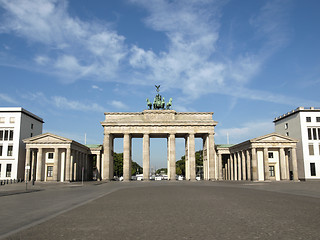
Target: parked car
(180, 178)
(139, 177)
(158, 178)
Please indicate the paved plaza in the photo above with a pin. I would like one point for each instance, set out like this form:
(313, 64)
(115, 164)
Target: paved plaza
(161, 210)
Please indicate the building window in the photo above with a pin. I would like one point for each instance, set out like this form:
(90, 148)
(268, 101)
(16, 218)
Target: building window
(50, 171)
(8, 172)
(287, 134)
(270, 154)
(313, 169)
(12, 120)
(31, 134)
(50, 155)
(0, 170)
(6, 135)
(2, 119)
(31, 125)
(271, 171)
(286, 125)
(308, 119)
(1, 135)
(10, 135)
(311, 151)
(314, 130)
(10, 148)
(1, 147)
(318, 119)
(309, 134)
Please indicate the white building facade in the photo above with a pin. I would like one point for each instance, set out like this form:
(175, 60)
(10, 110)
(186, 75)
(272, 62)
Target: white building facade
(16, 124)
(303, 124)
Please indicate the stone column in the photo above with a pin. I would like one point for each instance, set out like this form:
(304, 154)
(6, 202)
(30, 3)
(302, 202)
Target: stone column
(229, 170)
(79, 160)
(33, 163)
(126, 157)
(27, 163)
(55, 164)
(235, 169)
(146, 157)
(172, 157)
(62, 171)
(107, 158)
(68, 163)
(220, 166)
(239, 166)
(71, 166)
(282, 162)
(294, 164)
(211, 157)
(187, 165)
(244, 170)
(254, 164)
(205, 158)
(192, 156)
(226, 173)
(248, 160)
(77, 165)
(98, 165)
(287, 165)
(39, 165)
(266, 164)
(231, 166)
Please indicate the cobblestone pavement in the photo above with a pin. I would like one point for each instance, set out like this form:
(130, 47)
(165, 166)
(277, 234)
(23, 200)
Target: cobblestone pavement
(161, 210)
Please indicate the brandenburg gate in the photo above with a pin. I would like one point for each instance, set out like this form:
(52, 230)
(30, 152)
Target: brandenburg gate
(160, 122)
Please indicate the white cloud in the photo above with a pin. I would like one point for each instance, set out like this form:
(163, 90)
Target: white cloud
(41, 60)
(96, 87)
(77, 48)
(191, 61)
(7, 99)
(64, 103)
(118, 104)
(245, 132)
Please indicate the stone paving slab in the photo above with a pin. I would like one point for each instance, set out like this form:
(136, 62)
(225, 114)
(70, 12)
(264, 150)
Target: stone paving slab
(188, 210)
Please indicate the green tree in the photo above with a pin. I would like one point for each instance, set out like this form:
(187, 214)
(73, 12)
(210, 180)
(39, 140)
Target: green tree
(118, 165)
(180, 164)
(136, 169)
(161, 170)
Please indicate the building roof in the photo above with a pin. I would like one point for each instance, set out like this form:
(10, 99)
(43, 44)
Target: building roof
(224, 145)
(297, 110)
(93, 145)
(22, 110)
(49, 138)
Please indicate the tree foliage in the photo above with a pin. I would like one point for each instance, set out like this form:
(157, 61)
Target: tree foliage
(180, 164)
(118, 165)
(162, 170)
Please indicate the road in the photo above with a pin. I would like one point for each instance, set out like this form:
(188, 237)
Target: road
(162, 210)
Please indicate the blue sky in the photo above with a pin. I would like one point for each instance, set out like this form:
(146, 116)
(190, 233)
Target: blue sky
(247, 61)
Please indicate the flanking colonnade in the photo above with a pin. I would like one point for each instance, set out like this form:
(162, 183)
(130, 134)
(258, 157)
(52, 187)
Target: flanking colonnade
(270, 157)
(159, 124)
(54, 158)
